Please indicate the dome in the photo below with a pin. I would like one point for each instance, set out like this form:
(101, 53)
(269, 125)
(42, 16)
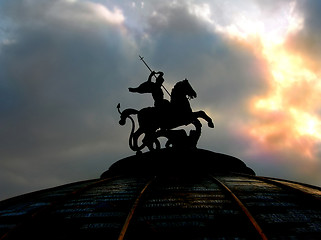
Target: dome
(166, 194)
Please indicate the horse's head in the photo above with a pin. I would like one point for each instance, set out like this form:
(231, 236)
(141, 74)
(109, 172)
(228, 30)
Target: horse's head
(181, 91)
(188, 90)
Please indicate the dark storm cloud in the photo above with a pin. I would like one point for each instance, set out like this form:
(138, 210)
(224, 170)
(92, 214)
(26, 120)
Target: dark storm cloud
(307, 42)
(59, 76)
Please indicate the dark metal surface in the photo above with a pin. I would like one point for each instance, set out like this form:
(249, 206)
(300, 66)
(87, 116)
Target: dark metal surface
(15, 211)
(172, 206)
(282, 212)
(188, 208)
(244, 209)
(133, 209)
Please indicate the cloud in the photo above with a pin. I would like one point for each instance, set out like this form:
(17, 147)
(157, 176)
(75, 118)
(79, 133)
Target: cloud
(60, 78)
(185, 45)
(307, 42)
(65, 65)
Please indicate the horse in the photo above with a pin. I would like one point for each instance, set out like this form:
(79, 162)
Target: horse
(155, 122)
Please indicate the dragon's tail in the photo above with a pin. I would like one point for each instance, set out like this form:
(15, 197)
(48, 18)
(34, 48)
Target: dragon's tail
(133, 137)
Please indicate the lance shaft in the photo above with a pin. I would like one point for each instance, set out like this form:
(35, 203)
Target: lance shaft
(142, 58)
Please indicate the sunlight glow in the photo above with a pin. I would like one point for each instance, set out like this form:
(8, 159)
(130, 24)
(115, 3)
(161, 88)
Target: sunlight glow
(202, 11)
(114, 17)
(287, 116)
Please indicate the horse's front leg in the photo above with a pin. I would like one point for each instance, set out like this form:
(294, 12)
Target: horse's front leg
(202, 114)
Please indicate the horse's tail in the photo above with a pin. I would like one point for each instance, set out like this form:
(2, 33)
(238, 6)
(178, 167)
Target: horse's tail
(133, 137)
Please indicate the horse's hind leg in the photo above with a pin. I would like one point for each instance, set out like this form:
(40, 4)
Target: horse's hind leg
(202, 114)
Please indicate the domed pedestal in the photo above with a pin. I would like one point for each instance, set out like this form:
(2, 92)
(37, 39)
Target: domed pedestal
(178, 162)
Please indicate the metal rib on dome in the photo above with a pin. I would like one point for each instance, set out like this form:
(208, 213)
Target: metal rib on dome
(162, 205)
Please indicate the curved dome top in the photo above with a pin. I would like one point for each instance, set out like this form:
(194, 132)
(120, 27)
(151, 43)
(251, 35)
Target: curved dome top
(203, 195)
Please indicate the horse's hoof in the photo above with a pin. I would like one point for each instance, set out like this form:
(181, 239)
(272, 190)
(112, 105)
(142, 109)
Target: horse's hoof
(211, 124)
(122, 122)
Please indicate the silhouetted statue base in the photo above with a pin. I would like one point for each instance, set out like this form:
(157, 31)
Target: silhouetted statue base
(179, 138)
(175, 162)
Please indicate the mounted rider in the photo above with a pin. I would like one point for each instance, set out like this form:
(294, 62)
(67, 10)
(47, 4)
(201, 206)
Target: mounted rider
(155, 88)
(160, 120)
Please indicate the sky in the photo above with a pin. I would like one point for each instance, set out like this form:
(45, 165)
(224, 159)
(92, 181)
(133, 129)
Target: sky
(66, 64)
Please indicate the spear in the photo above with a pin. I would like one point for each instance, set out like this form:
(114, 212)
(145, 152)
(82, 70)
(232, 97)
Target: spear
(142, 58)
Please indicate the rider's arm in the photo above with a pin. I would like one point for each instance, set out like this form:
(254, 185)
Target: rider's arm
(150, 76)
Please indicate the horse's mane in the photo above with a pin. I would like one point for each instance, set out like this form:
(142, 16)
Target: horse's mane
(177, 88)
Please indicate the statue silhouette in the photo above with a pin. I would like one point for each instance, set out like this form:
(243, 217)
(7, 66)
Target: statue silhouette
(160, 120)
(155, 88)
